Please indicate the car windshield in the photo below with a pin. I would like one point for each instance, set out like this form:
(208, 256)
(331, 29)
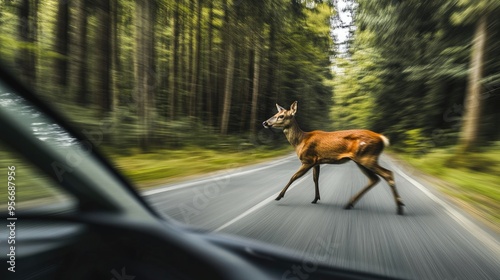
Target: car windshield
(37, 188)
(43, 128)
(232, 116)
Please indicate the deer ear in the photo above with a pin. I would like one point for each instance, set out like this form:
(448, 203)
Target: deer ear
(279, 108)
(293, 108)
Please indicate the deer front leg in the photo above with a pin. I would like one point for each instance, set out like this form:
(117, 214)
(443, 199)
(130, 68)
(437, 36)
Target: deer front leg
(302, 170)
(316, 183)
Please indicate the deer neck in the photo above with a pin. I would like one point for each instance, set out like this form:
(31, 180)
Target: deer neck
(293, 133)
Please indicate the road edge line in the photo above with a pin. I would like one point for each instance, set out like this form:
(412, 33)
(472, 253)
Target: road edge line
(465, 222)
(203, 181)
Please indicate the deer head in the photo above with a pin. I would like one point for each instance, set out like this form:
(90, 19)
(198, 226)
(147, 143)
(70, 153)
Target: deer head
(283, 118)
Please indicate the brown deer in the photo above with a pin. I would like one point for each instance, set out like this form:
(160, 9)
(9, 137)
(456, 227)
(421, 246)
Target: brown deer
(318, 147)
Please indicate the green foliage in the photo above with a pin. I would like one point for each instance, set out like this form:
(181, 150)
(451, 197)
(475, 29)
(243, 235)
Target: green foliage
(415, 142)
(408, 69)
(356, 86)
(474, 162)
(470, 10)
(187, 76)
(149, 169)
(472, 178)
(32, 187)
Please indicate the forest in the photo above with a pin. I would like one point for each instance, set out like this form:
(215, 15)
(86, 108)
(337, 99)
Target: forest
(423, 72)
(162, 73)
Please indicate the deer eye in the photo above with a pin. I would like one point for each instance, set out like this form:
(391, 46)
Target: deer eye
(281, 117)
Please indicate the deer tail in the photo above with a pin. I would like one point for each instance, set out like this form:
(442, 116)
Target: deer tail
(385, 140)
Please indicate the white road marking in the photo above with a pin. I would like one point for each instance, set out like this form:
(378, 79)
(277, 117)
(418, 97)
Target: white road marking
(471, 227)
(259, 205)
(204, 181)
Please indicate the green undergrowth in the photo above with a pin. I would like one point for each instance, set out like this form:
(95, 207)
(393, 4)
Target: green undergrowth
(27, 183)
(472, 179)
(143, 169)
(151, 169)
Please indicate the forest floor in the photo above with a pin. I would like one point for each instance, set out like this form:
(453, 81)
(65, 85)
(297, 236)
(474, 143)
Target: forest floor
(472, 182)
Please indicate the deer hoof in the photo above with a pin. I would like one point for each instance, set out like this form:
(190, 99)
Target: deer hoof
(278, 198)
(399, 202)
(315, 201)
(400, 210)
(348, 206)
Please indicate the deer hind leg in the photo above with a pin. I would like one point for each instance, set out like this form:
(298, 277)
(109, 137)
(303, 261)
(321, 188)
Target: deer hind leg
(316, 183)
(374, 179)
(389, 177)
(302, 170)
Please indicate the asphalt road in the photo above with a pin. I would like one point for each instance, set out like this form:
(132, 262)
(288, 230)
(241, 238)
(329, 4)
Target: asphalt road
(433, 240)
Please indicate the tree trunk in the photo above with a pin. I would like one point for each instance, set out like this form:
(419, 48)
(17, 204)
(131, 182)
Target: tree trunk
(190, 56)
(114, 55)
(245, 90)
(62, 46)
(79, 54)
(103, 57)
(228, 88)
(273, 64)
(195, 79)
(210, 78)
(473, 104)
(255, 88)
(33, 38)
(26, 59)
(183, 65)
(174, 72)
(143, 68)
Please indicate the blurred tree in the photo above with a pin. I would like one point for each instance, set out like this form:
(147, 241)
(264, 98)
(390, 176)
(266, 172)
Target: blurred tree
(210, 65)
(196, 66)
(174, 70)
(229, 76)
(104, 53)
(210, 77)
(477, 12)
(420, 65)
(79, 54)
(27, 35)
(114, 54)
(255, 86)
(356, 85)
(144, 69)
(62, 46)
(473, 103)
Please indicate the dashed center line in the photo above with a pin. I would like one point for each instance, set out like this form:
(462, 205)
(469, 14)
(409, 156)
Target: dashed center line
(259, 205)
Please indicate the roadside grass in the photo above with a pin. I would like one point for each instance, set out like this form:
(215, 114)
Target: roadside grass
(143, 169)
(30, 185)
(164, 166)
(472, 180)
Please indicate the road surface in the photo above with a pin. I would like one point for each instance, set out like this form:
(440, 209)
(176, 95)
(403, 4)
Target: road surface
(433, 240)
